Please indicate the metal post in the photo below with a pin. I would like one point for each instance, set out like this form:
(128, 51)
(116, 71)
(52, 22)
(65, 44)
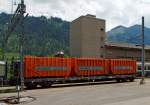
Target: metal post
(21, 58)
(2, 81)
(23, 9)
(18, 89)
(143, 53)
(21, 67)
(12, 3)
(18, 93)
(6, 70)
(4, 44)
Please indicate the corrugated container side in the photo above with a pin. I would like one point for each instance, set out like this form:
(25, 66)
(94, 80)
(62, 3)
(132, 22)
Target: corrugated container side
(122, 66)
(91, 66)
(47, 67)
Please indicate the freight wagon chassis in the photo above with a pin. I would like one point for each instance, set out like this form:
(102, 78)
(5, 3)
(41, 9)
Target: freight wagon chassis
(43, 82)
(33, 83)
(47, 82)
(118, 78)
(124, 78)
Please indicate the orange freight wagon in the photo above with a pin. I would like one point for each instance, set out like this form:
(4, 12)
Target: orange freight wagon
(45, 71)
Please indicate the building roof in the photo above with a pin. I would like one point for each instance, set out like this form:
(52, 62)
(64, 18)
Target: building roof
(125, 45)
(88, 16)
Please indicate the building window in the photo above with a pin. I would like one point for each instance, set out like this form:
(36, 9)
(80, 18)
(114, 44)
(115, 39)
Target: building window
(102, 29)
(148, 67)
(145, 67)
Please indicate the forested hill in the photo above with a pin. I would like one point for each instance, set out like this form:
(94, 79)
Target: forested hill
(43, 36)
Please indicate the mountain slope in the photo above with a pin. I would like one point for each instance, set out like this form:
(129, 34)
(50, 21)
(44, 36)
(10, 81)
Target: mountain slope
(128, 34)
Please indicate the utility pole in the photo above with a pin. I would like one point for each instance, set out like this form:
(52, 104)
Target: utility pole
(21, 38)
(12, 6)
(23, 10)
(143, 53)
(17, 18)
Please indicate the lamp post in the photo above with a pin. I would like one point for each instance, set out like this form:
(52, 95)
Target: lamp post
(143, 53)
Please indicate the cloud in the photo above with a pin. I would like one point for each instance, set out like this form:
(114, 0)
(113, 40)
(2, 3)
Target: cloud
(115, 12)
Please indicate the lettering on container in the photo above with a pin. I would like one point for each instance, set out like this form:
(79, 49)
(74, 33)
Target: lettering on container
(90, 68)
(123, 67)
(46, 68)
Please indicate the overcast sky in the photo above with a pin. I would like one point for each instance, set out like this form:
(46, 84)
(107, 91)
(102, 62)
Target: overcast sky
(115, 12)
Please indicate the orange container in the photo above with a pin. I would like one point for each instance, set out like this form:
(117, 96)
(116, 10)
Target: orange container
(122, 66)
(90, 66)
(46, 67)
(71, 67)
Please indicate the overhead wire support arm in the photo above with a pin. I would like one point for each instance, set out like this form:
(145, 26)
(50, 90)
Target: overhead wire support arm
(16, 18)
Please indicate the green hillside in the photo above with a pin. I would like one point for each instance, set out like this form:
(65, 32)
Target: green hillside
(43, 36)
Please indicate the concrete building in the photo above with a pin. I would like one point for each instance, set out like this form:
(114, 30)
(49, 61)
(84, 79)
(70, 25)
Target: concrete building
(125, 50)
(87, 39)
(87, 35)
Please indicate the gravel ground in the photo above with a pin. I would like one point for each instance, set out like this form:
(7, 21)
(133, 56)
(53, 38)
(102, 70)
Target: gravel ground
(129, 93)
